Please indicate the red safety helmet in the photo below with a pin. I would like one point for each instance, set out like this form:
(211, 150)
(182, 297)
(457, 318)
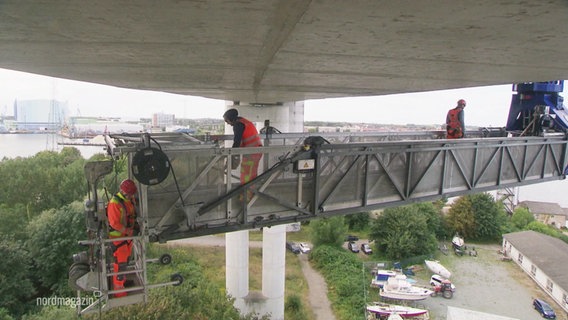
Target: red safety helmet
(128, 187)
(461, 102)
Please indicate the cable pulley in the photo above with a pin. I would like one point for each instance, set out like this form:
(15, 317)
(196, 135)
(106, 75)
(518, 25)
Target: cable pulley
(150, 166)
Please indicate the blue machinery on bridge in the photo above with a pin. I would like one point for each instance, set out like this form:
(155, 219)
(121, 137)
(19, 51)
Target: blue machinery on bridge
(187, 187)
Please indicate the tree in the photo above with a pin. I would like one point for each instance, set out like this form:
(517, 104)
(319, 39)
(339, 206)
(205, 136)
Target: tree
(403, 232)
(14, 221)
(461, 218)
(15, 284)
(434, 219)
(358, 221)
(330, 231)
(54, 237)
(477, 216)
(46, 180)
(521, 218)
(489, 216)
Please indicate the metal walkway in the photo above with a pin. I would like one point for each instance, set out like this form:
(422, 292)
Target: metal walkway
(190, 190)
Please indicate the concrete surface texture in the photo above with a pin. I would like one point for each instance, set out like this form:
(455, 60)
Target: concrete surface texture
(287, 50)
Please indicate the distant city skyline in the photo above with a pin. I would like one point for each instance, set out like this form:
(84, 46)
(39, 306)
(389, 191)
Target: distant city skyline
(486, 106)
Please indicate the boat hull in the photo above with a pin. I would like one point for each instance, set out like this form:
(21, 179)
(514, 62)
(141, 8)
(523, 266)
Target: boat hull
(437, 268)
(415, 296)
(402, 311)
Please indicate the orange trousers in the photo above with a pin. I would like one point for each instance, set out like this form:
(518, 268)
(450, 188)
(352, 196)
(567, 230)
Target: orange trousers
(249, 169)
(121, 255)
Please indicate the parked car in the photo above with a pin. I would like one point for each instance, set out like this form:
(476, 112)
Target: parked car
(295, 248)
(366, 248)
(436, 280)
(353, 247)
(544, 309)
(351, 238)
(304, 247)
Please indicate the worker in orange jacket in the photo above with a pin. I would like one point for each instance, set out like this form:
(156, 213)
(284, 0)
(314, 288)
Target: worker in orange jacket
(455, 127)
(121, 212)
(245, 136)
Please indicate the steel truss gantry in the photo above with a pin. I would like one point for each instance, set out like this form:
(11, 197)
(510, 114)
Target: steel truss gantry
(188, 188)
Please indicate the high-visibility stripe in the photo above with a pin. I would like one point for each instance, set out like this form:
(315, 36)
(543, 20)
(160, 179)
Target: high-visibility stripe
(115, 233)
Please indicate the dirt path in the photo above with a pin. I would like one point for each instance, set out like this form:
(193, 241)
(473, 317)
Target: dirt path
(317, 287)
(318, 291)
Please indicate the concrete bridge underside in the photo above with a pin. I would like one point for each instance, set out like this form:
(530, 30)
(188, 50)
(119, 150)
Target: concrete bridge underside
(287, 50)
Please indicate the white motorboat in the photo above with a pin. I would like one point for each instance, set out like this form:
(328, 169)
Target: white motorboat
(381, 278)
(398, 288)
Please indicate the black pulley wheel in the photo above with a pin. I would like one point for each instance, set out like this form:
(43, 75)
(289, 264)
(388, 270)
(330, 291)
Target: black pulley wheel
(165, 259)
(150, 166)
(177, 277)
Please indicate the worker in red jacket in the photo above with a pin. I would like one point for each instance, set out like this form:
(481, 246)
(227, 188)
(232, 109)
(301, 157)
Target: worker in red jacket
(245, 136)
(455, 126)
(121, 212)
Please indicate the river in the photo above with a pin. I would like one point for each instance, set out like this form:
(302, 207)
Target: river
(25, 145)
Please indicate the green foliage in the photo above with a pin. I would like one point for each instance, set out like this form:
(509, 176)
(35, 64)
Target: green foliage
(295, 308)
(434, 221)
(328, 231)
(346, 282)
(403, 232)
(53, 241)
(543, 228)
(196, 298)
(490, 216)
(461, 218)
(5, 314)
(53, 313)
(358, 221)
(521, 218)
(14, 219)
(15, 286)
(46, 180)
(477, 217)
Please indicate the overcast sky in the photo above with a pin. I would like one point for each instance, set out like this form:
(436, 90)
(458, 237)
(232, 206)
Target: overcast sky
(486, 106)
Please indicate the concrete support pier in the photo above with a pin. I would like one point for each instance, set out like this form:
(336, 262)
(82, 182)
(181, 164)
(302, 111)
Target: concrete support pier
(286, 118)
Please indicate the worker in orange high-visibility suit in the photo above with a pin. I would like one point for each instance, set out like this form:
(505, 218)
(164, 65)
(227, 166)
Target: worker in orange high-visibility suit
(455, 127)
(245, 136)
(121, 212)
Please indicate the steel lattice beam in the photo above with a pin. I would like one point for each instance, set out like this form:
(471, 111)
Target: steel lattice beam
(202, 198)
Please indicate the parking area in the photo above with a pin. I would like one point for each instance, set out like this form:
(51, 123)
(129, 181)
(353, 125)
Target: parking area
(487, 284)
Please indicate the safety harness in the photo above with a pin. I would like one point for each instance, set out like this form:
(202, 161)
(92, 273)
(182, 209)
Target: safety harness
(125, 220)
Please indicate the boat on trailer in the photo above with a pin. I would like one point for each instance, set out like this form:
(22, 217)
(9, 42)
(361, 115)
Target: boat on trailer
(399, 288)
(388, 311)
(437, 268)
